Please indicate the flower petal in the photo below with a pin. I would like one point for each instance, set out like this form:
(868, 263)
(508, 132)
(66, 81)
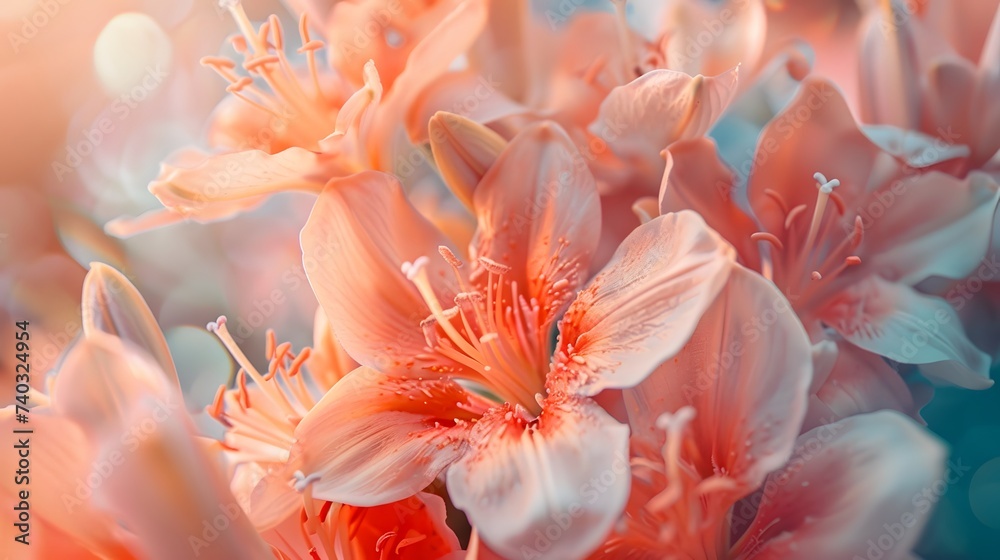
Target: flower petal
(554, 486)
(539, 213)
(890, 86)
(949, 240)
(463, 152)
(859, 382)
(849, 487)
(375, 439)
(111, 304)
(662, 107)
(897, 322)
(360, 232)
(746, 372)
(696, 179)
(118, 396)
(219, 186)
(643, 306)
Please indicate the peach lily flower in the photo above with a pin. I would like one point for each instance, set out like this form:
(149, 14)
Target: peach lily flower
(260, 418)
(721, 472)
(111, 437)
(920, 75)
(286, 128)
(460, 372)
(846, 250)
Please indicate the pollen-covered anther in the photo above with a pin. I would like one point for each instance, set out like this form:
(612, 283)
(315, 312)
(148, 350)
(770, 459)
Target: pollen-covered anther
(468, 297)
(493, 266)
(450, 257)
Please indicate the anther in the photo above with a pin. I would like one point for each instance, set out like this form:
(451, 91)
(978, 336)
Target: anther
(768, 237)
(450, 257)
(493, 266)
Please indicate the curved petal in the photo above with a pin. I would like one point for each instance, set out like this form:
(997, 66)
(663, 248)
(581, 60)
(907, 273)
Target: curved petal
(895, 321)
(696, 179)
(360, 232)
(111, 304)
(860, 483)
(61, 456)
(328, 362)
(463, 152)
(539, 213)
(473, 96)
(118, 397)
(859, 382)
(427, 62)
(375, 439)
(642, 307)
(949, 240)
(102, 377)
(736, 32)
(387, 32)
(890, 85)
(554, 486)
(915, 148)
(221, 185)
(661, 107)
(746, 372)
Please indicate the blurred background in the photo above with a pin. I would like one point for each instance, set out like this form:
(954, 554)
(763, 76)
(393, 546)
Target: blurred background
(98, 92)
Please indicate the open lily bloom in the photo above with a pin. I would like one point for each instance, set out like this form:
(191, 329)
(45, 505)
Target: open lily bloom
(580, 280)
(114, 413)
(936, 69)
(710, 429)
(831, 224)
(289, 126)
(260, 418)
(112, 438)
(478, 388)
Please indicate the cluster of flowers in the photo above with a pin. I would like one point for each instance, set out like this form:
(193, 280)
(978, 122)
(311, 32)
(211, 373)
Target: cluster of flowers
(626, 339)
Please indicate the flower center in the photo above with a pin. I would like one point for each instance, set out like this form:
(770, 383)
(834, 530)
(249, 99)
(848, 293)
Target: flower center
(493, 335)
(300, 109)
(262, 428)
(813, 265)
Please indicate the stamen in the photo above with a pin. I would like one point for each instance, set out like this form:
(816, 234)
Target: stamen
(768, 237)
(450, 257)
(790, 218)
(270, 343)
(778, 199)
(674, 425)
(858, 235)
(218, 327)
(493, 266)
(825, 188)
